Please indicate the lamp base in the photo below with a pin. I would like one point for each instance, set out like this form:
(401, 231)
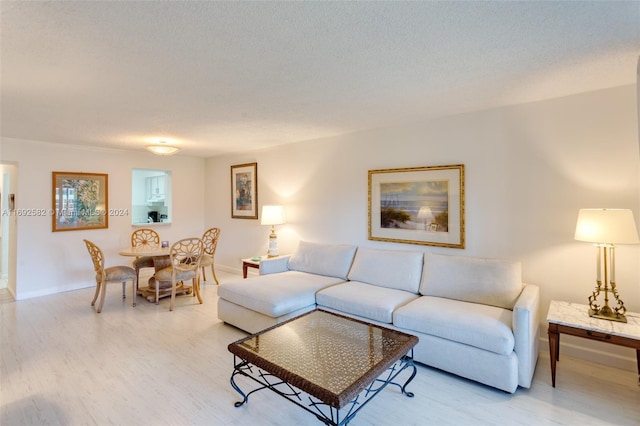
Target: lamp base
(273, 245)
(607, 314)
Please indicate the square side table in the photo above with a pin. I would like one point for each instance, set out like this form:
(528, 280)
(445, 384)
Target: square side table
(249, 262)
(573, 319)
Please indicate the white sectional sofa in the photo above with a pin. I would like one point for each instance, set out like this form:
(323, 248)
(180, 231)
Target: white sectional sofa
(474, 317)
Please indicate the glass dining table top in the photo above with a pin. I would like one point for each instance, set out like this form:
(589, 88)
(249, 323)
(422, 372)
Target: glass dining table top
(329, 356)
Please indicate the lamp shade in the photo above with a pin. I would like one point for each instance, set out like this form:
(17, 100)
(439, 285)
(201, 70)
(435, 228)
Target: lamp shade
(272, 215)
(425, 213)
(612, 226)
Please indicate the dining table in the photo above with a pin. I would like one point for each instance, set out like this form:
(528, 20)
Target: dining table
(155, 290)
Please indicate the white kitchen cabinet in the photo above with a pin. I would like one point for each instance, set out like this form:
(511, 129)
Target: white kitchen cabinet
(155, 188)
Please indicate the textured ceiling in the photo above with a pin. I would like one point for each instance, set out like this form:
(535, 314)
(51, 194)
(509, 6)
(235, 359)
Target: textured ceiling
(219, 77)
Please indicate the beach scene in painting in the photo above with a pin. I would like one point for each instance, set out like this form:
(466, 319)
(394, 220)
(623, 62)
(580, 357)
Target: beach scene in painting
(420, 205)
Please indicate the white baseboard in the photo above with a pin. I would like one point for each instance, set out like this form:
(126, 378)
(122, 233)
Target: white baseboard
(11, 292)
(52, 290)
(232, 270)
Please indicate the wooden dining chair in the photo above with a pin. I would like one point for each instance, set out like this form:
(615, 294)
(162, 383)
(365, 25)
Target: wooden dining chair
(104, 275)
(185, 256)
(140, 238)
(210, 241)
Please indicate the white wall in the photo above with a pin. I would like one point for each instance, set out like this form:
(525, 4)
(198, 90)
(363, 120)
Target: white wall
(50, 262)
(529, 169)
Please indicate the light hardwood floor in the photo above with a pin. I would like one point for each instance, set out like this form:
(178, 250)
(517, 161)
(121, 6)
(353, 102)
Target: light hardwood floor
(63, 364)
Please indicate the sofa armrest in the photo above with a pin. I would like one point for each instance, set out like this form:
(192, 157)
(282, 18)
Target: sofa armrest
(525, 332)
(274, 265)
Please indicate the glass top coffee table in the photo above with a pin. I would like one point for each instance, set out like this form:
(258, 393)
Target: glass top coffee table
(328, 364)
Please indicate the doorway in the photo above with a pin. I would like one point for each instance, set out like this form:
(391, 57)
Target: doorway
(8, 227)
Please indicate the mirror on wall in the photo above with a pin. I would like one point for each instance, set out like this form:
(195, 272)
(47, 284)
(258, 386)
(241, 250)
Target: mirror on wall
(151, 196)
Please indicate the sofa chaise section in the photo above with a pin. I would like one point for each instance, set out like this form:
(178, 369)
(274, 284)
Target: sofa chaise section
(285, 288)
(261, 302)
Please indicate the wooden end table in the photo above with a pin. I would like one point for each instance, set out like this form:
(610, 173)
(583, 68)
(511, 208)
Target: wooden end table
(249, 262)
(573, 319)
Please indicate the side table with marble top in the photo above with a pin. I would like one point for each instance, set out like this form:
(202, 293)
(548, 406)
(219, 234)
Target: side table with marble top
(573, 319)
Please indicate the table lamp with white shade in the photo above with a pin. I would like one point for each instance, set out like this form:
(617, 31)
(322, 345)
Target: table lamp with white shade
(605, 228)
(272, 215)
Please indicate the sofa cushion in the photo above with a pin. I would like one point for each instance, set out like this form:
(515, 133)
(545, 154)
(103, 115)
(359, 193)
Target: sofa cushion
(276, 294)
(494, 282)
(388, 268)
(482, 326)
(364, 300)
(332, 260)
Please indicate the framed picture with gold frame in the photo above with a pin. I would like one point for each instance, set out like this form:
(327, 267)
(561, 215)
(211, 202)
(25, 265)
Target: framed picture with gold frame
(244, 191)
(79, 201)
(418, 205)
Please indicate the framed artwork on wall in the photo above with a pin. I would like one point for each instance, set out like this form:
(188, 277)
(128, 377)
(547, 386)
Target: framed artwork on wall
(418, 205)
(79, 201)
(244, 191)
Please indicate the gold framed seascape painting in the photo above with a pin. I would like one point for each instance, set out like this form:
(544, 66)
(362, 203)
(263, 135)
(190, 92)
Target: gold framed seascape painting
(79, 201)
(418, 205)
(244, 191)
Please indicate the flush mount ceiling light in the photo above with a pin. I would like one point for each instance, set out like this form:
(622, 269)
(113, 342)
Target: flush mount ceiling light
(162, 148)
